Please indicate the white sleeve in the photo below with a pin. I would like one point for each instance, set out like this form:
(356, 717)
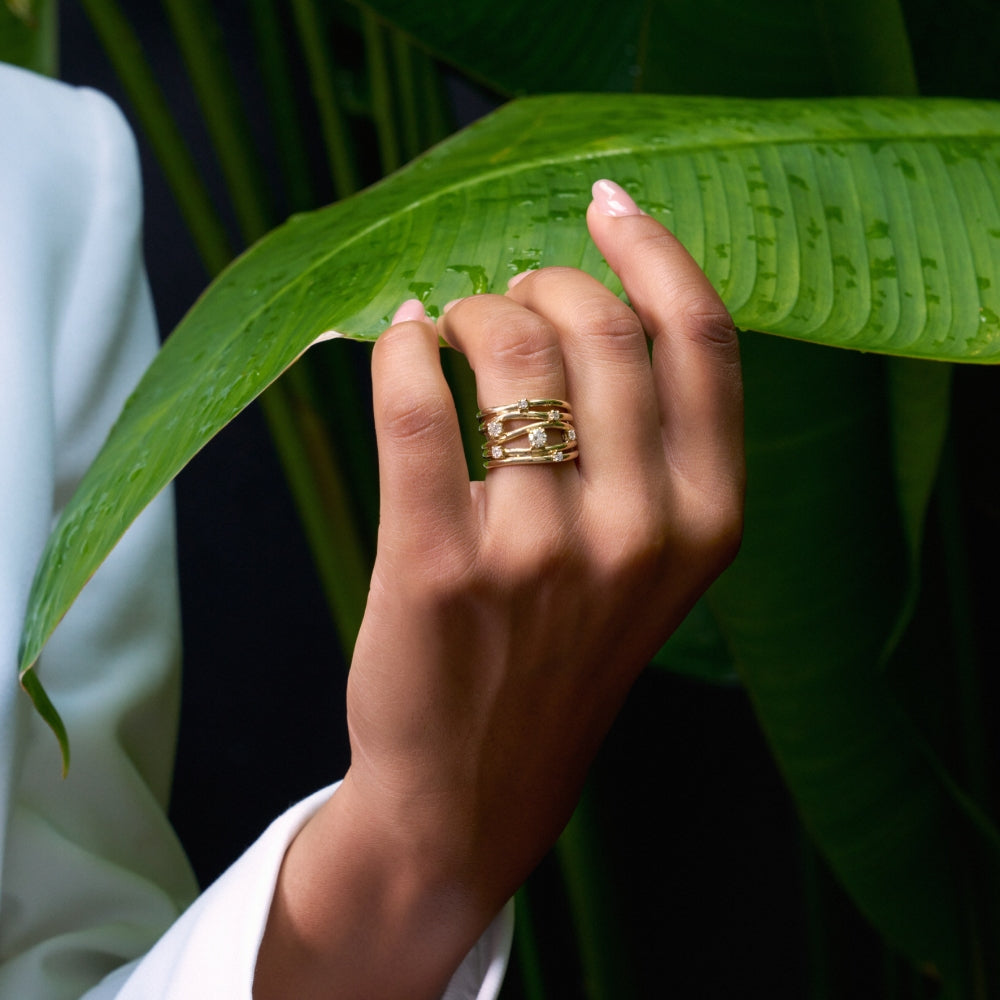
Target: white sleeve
(95, 891)
(211, 951)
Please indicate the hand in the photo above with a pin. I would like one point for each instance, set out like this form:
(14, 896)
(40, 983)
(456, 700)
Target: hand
(507, 620)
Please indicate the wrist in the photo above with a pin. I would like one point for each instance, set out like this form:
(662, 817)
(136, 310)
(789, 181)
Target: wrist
(367, 904)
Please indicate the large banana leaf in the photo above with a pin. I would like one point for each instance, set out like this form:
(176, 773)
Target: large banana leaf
(806, 609)
(872, 224)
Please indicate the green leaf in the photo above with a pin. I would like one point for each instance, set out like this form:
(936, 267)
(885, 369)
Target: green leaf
(778, 48)
(807, 609)
(698, 649)
(28, 35)
(919, 398)
(589, 46)
(870, 224)
(919, 402)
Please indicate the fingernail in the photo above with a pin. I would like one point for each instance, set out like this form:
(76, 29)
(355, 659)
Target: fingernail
(519, 277)
(411, 309)
(612, 199)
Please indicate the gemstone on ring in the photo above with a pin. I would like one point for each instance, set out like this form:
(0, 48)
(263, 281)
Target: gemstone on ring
(537, 437)
(496, 451)
(495, 428)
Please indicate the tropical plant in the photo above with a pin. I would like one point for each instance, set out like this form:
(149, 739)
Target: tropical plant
(863, 223)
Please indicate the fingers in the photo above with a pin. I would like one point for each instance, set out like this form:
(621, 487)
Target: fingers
(695, 349)
(514, 352)
(422, 472)
(559, 334)
(608, 378)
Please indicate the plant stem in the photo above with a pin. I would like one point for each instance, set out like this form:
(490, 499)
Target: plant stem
(122, 48)
(402, 57)
(289, 139)
(336, 136)
(582, 859)
(307, 457)
(526, 948)
(29, 36)
(383, 112)
(200, 42)
(436, 118)
(340, 398)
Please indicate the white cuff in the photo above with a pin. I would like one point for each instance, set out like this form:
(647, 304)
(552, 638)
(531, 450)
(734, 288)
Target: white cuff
(211, 951)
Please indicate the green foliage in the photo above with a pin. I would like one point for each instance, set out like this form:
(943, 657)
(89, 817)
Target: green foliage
(670, 46)
(786, 204)
(27, 34)
(868, 224)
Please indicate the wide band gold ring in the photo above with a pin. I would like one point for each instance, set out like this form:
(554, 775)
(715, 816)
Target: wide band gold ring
(528, 432)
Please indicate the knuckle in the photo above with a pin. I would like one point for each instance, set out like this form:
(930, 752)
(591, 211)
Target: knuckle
(448, 573)
(609, 318)
(415, 419)
(707, 320)
(635, 538)
(544, 552)
(435, 569)
(719, 533)
(523, 341)
(647, 538)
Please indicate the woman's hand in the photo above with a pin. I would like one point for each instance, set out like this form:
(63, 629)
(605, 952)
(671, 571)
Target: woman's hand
(507, 620)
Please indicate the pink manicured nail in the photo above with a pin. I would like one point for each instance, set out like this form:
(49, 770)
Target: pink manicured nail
(411, 309)
(520, 276)
(612, 199)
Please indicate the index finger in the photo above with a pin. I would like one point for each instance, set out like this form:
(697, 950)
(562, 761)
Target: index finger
(696, 364)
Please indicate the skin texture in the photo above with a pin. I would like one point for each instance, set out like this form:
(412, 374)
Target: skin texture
(507, 620)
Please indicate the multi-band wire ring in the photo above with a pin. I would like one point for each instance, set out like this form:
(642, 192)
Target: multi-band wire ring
(528, 432)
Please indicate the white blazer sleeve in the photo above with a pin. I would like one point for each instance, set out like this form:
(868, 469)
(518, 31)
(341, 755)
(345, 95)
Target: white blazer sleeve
(95, 892)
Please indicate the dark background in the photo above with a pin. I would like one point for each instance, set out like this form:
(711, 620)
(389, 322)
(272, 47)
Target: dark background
(706, 848)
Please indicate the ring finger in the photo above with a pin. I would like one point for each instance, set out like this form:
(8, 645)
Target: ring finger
(516, 355)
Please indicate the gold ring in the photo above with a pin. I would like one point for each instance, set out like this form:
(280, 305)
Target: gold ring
(546, 425)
